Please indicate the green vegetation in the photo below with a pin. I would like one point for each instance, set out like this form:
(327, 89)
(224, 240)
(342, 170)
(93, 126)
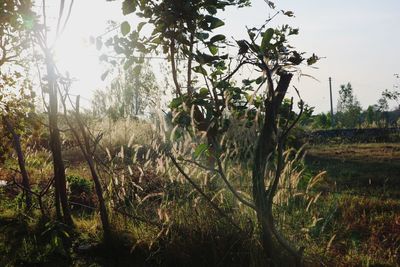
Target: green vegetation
(223, 177)
(351, 115)
(362, 190)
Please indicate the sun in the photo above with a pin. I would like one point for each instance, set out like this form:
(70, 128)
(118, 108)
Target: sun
(73, 54)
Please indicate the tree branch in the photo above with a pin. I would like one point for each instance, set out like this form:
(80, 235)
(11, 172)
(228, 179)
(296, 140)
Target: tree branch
(198, 189)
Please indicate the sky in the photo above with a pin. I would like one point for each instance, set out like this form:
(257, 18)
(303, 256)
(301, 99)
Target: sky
(358, 41)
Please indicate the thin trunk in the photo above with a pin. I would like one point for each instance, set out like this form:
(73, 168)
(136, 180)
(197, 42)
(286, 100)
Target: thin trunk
(102, 207)
(264, 149)
(86, 150)
(174, 70)
(55, 143)
(21, 163)
(189, 70)
(264, 153)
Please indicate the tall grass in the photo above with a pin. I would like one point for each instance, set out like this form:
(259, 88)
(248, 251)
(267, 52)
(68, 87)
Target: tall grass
(159, 216)
(151, 190)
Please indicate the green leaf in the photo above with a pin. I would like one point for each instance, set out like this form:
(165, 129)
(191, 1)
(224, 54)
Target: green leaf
(217, 38)
(288, 13)
(175, 103)
(125, 28)
(213, 21)
(213, 49)
(243, 47)
(211, 9)
(200, 149)
(259, 80)
(128, 6)
(247, 82)
(312, 60)
(200, 69)
(140, 26)
(203, 92)
(202, 35)
(267, 36)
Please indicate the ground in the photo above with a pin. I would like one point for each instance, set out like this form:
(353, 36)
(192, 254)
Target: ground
(363, 186)
(352, 219)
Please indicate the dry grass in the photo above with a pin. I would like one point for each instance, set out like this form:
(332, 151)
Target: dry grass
(367, 231)
(168, 223)
(360, 152)
(364, 228)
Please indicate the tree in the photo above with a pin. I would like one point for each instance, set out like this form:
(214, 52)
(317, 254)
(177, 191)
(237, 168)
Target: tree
(15, 112)
(390, 96)
(15, 18)
(82, 136)
(348, 107)
(322, 120)
(51, 87)
(129, 94)
(372, 115)
(180, 30)
(383, 105)
(184, 30)
(16, 92)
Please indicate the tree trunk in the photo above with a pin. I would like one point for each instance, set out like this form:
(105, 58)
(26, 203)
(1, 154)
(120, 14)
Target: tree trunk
(86, 150)
(21, 162)
(55, 144)
(264, 149)
(264, 153)
(102, 207)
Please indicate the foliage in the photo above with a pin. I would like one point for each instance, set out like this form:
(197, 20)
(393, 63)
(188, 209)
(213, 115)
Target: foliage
(390, 95)
(130, 94)
(79, 185)
(16, 94)
(157, 216)
(15, 19)
(178, 27)
(322, 121)
(348, 108)
(181, 30)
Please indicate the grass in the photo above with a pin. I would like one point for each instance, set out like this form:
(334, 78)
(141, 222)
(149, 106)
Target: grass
(363, 185)
(370, 167)
(347, 216)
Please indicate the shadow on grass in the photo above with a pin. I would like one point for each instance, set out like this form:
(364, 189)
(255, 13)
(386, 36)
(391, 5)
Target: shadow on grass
(359, 175)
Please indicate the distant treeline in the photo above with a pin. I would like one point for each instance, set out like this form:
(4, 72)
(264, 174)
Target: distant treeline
(362, 135)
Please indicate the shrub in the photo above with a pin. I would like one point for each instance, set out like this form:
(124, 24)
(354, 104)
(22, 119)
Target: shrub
(81, 192)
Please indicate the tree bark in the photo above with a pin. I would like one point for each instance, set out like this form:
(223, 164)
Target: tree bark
(264, 153)
(21, 162)
(86, 150)
(55, 144)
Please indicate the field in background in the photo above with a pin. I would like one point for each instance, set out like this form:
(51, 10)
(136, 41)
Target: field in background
(363, 189)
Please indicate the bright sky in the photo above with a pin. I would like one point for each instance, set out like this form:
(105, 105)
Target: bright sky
(359, 39)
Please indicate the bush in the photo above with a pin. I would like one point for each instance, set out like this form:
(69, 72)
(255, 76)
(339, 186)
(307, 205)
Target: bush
(79, 185)
(81, 192)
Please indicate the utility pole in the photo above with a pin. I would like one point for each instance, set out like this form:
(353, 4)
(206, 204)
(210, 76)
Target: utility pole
(330, 91)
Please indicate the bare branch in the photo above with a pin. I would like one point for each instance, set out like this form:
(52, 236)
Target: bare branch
(228, 184)
(174, 70)
(198, 189)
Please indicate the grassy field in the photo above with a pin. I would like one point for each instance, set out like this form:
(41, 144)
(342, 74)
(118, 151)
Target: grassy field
(348, 216)
(363, 184)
